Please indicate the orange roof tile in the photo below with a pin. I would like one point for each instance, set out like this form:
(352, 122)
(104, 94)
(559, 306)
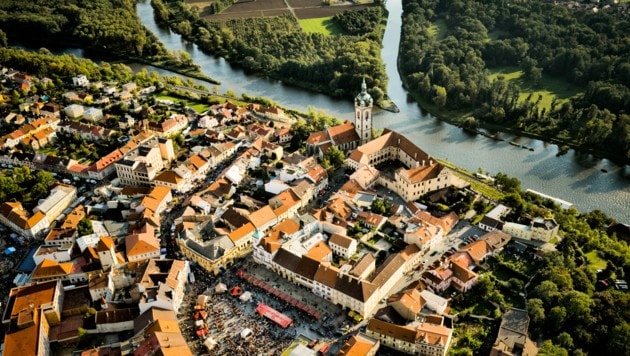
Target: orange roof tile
(169, 176)
(141, 243)
(241, 232)
(105, 244)
(262, 216)
(319, 252)
(272, 241)
(317, 137)
(343, 133)
(49, 268)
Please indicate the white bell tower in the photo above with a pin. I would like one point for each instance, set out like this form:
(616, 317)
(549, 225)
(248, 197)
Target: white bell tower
(363, 115)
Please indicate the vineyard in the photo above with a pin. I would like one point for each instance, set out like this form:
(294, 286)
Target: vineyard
(221, 10)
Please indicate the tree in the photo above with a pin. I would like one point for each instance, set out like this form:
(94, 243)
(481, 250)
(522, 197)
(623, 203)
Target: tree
(618, 341)
(547, 291)
(380, 206)
(577, 305)
(335, 157)
(85, 227)
(555, 318)
(564, 340)
(536, 311)
(549, 349)
(440, 95)
(506, 183)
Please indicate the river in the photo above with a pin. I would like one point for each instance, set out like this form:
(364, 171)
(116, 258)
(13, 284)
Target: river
(573, 177)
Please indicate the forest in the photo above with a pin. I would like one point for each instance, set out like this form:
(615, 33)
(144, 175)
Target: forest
(103, 25)
(277, 47)
(61, 67)
(450, 48)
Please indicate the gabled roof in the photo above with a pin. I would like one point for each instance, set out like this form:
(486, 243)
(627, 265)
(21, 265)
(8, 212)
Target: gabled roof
(220, 187)
(389, 139)
(317, 138)
(141, 243)
(105, 244)
(340, 240)
(344, 133)
(262, 216)
(363, 264)
(319, 252)
(272, 241)
(234, 218)
(307, 267)
(360, 290)
(399, 332)
(326, 274)
(284, 201)
(169, 176)
(286, 259)
(241, 232)
(421, 173)
(49, 268)
(409, 299)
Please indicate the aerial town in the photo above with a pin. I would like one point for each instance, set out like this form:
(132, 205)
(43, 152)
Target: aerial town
(204, 233)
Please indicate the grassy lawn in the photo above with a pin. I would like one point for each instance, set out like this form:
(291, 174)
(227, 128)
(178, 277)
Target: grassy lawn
(323, 25)
(594, 261)
(475, 184)
(197, 106)
(439, 29)
(549, 87)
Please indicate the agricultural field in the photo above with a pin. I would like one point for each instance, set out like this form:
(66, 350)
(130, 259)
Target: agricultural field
(301, 9)
(550, 88)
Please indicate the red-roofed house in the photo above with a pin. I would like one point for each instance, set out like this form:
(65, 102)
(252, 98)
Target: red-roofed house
(142, 245)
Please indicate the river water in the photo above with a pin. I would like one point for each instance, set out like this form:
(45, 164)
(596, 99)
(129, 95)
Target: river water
(573, 177)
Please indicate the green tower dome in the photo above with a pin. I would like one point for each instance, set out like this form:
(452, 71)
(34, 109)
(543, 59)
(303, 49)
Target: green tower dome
(363, 98)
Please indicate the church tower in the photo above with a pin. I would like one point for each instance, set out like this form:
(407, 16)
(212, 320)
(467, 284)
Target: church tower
(363, 115)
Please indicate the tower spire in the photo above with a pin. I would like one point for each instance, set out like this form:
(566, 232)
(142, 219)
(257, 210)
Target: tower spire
(363, 114)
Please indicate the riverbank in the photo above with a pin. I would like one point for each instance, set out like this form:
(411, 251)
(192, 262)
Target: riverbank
(457, 118)
(192, 71)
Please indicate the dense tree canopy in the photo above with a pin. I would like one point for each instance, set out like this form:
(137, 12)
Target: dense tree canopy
(576, 47)
(23, 185)
(278, 47)
(45, 64)
(105, 25)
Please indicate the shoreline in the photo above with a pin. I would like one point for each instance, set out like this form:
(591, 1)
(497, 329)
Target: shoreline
(456, 119)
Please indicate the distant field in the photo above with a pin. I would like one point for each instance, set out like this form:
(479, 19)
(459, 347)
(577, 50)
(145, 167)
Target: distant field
(303, 9)
(323, 25)
(439, 29)
(549, 87)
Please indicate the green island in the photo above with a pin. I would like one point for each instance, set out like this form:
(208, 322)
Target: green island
(559, 73)
(109, 28)
(329, 49)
